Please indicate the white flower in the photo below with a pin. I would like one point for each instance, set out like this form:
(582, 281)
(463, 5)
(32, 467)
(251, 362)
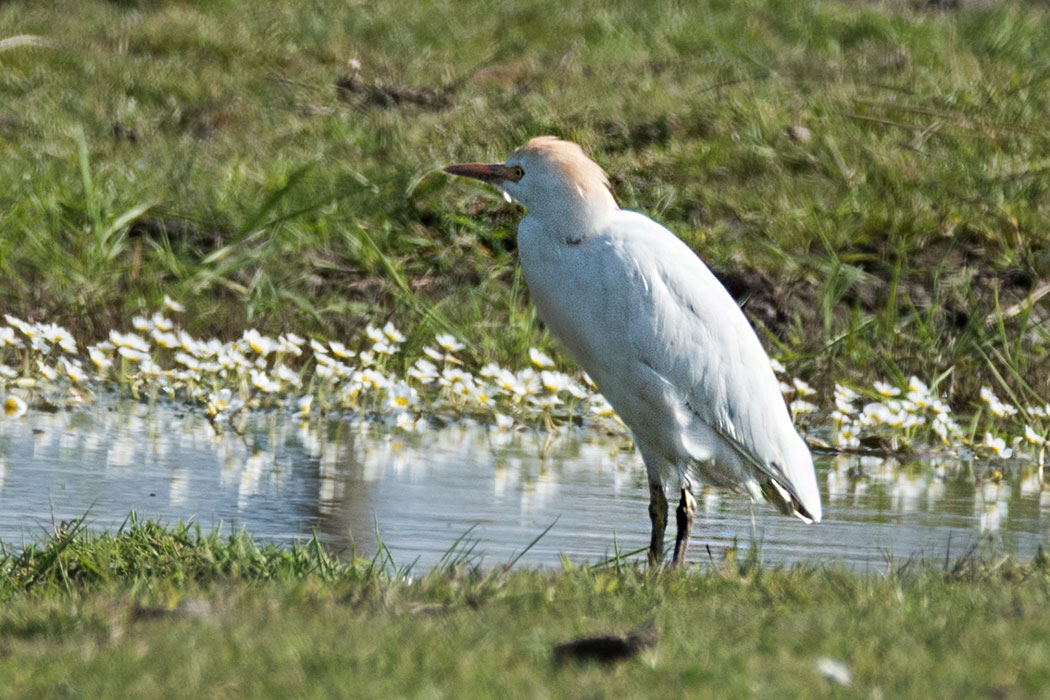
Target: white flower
(219, 402)
(1033, 437)
(382, 347)
(305, 403)
(73, 370)
(776, 365)
(453, 375)
(920, 399)
(601, 407)
(912, 420)
(27, 328)
(8, 338)
(318, 348)
(128, 341)
(325, 360)
(164, 339)
(844, 398)
(482, 396)
(132, 354)
(261, 344)
(504, 422)
(401, 397)
(286, 375)
(231, 358)
(265, 383)
(998, 446)
(554, 381)
(941, 428)
(577, 391)
(433, 354)
(886, 389)
(140, 323)
(38, 343)
(875, 414)
(1004, 409)
(847, 437)
(845, 393)
(190, 345)
(290, 343)
(507, 381)
(14, 407)
(160, 322)
(172, 305)
(373, 333)
(448, 342)
(423, 371)
(99, 358)
(803, 388)
(392, 333)
(844, 407)
(545, 401)
(406, 422)
(540, 359)
(58, 335)
(995, 405)
(918, 386)
(799, 407)
(340, 350)
(188, 360)
(370, 379)
(529, 379)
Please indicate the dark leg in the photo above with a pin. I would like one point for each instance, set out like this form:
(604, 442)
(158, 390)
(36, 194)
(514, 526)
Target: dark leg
(686, 514)
(658, 516)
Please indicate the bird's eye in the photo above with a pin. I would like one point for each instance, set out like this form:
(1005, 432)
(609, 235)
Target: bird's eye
(518, 172)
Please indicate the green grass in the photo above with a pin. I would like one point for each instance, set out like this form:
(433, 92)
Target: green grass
(171, 612)
(202, 150)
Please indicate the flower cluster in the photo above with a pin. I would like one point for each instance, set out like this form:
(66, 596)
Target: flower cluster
(42, 362)
(890, 417)
(372, 375)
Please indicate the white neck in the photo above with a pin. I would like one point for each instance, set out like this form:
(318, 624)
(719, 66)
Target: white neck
(573, 215)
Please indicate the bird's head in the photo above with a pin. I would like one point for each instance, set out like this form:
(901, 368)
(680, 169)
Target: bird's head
(550, 177)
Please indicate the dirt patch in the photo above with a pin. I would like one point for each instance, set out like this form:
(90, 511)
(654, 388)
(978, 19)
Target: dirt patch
(178, 230)
(376, 93)
(637, 135)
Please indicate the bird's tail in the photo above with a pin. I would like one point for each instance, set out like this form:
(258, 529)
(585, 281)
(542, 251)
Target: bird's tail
(788, 504)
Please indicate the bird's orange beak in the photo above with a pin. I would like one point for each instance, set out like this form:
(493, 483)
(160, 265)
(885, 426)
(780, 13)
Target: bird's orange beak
(492, 173)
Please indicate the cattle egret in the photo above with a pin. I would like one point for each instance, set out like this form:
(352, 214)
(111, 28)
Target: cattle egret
(659, 335)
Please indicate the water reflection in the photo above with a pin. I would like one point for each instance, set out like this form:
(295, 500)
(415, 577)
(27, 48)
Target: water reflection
(281, 478)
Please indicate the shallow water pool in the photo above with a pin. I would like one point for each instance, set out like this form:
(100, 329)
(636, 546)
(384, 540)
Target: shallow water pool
(484, 494)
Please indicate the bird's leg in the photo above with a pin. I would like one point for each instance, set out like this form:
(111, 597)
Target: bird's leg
(658, 516)
(686, 514)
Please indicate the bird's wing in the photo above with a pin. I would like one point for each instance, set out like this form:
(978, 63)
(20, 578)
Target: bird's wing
(689, 331)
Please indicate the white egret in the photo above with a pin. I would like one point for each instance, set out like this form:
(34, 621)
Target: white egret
(659, 335)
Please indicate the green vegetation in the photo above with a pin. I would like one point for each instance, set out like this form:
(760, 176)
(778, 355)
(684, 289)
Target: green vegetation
(175, 613)
(871, 180)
